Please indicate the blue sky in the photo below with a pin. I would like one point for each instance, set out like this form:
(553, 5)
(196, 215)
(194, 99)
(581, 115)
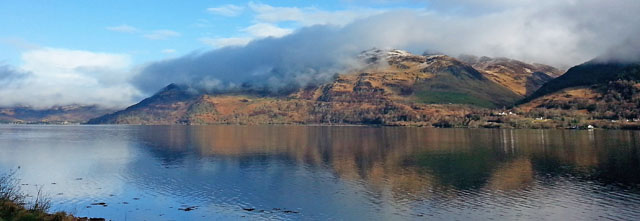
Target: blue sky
(143, 30)
(88, 52)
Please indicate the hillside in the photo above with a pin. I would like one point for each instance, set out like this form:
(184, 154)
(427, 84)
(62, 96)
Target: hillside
(589, 74)
(401, 76)
(615, 100)
(394, 88)
(53, 115)
(592, 92)
(518, 76)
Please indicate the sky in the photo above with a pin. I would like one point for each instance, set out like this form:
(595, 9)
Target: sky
(148, 31)
(115, 53)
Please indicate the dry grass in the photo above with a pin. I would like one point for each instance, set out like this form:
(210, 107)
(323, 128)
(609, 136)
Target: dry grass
(14, 206)
(564, 95)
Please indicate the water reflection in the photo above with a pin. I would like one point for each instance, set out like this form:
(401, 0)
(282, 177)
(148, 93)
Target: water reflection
(457, 158)
(407, 167)
(349, 172)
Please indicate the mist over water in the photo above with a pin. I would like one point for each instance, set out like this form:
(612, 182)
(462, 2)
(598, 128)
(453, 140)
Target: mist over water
(295, 172)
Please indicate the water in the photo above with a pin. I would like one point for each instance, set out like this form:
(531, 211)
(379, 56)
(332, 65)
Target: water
(318, 173)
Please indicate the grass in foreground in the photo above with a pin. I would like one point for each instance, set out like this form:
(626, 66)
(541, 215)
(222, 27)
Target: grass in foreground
(13, 204)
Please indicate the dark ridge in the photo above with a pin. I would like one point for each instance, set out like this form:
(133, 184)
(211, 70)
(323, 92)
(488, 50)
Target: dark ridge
(535, 80)
(587, 74)
(169, 94)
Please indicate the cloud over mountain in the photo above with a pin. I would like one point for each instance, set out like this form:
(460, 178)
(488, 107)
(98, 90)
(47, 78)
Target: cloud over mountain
(10, 77)
(280, 47)
(53, 76)
(561, 33)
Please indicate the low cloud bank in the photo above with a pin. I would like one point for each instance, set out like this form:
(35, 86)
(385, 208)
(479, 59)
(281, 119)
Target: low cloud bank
(559, 33)
(562, 33)
(53, 76)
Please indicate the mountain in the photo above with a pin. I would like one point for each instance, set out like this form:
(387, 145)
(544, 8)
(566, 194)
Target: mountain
(518, 76)
(594, 90)
(393, 88)
(54, 115)
(588, 74)
(168, 105)
(433, 79)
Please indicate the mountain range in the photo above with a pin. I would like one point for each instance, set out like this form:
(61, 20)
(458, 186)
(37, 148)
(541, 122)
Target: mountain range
(395, 87)
(53, 115)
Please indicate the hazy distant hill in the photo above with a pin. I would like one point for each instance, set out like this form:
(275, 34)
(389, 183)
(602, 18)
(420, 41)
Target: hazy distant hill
(395, 88)
(56, 114)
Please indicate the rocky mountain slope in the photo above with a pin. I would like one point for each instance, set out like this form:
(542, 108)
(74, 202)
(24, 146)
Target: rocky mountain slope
(589, 74)
(54, 115)
(595, 90)
(394, 88)
(520, 77)
(401, 76)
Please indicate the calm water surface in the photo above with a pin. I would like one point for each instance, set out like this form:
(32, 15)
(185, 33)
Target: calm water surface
(318, 173)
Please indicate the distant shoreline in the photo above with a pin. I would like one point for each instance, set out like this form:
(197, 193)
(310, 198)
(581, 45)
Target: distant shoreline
(619, 126)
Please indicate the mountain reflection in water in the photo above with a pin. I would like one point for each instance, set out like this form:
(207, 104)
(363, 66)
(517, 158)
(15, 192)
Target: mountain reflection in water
(453, 158)
(371, 173)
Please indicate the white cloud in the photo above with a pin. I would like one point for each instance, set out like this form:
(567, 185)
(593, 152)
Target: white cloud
(556, 32)
(308, 16)
(256, 31)
(225, 42)
(153, 35)
(169, 51)
(62, 76)
(267, 19)
(270, 13)
(123, 29)
(559, 32)
(267, 30)
(10, 77)
(202, 23)
(161, 34)
(226, 10)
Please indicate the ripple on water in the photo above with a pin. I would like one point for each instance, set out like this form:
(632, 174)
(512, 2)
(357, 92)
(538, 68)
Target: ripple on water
(282, 173)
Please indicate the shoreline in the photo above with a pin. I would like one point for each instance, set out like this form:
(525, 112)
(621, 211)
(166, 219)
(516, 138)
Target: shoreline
(15, 206)
(630, 127)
